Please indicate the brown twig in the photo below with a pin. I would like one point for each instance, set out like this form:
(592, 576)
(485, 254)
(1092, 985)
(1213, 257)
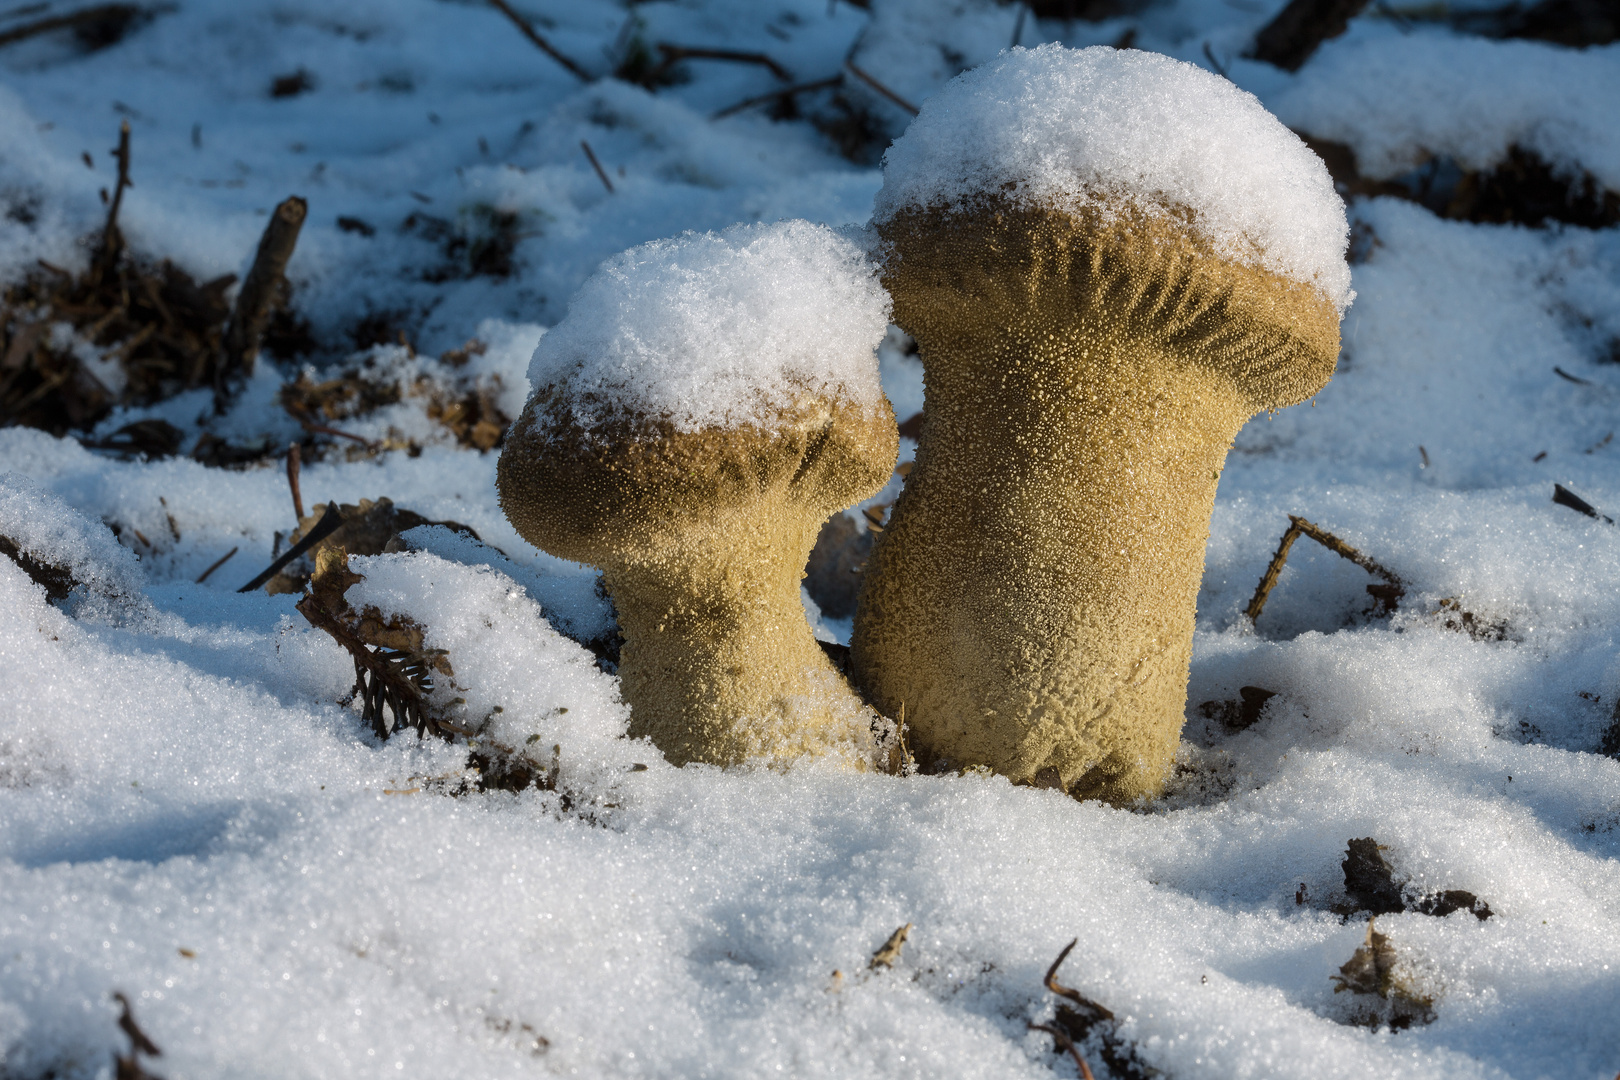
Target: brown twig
(261, 290)
(674, 54)
(174, 530)
(597, 165)
(223, 559)
(880, 88)
(112, 238)
(1067, 992)
(1061, 1038)
(1297, 527)
(72, 18)
(777, 95)
(294, 463)
(541, 43)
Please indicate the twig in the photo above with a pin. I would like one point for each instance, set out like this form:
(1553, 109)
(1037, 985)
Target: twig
(1061, 1038)
(597, 165)
(261, 290)
(294, 463)
(322, 429)
(174, 530)
(112, 239)
(1099, 1013)
(1018, 27)
(541, 43)
(1576, 379)
(223, 559)
(1290, 39)
(880, 88)
(673, 54)
(1299, 526)
(1209, 54)
(73, 18)
(330, 522)
(777, 95)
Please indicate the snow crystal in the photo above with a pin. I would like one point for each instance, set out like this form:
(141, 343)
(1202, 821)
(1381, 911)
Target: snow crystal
(1087, 127)
(720, 329)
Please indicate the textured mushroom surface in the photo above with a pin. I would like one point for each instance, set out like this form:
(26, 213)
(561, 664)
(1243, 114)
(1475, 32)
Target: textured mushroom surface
(1089, 359)
(701, 496)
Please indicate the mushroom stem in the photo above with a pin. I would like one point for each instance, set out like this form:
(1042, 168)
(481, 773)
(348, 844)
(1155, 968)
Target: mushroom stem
(1032, 598)
(717, 655)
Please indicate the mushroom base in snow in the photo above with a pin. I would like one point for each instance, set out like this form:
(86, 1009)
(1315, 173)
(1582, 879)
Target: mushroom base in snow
(1031, 601)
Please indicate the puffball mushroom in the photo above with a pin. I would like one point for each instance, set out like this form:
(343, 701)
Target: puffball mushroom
(705, 405)
(1110, 260)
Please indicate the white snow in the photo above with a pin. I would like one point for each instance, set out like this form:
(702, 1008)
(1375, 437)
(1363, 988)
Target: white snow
(720, 329)
(1398, 101)
(193, 813)
(43, 527)
(1104, 127)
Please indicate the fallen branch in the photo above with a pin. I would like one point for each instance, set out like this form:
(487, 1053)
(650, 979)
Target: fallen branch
(1290, 39)
(880, 88)
(777, 95)
(261, 291)
(1387, 594)
(541, 43)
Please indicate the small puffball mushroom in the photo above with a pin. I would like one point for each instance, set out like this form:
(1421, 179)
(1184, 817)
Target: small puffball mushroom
(1110, 260)
(706, 404)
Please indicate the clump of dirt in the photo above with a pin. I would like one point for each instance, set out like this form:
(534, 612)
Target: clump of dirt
(1370, 884)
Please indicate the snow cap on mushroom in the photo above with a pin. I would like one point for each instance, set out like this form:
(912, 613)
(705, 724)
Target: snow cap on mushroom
(1076, 129)
(710, 330)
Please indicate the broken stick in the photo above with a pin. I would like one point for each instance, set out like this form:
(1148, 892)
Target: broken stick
(112, 238)
(1298, 526)
(261, 291)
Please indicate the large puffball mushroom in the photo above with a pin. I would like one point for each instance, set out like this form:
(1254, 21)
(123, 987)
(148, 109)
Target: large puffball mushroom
(705, 405)
(1110, 260)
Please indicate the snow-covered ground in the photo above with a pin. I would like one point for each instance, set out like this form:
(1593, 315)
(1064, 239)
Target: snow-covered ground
(194, 819)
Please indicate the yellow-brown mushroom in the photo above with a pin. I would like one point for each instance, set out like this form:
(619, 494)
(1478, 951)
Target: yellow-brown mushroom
(707, 403)
(1100, 302)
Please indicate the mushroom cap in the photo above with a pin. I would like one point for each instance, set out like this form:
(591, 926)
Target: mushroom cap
(1142, 285)
(624, 488)
(708, 374)
(1114, 130)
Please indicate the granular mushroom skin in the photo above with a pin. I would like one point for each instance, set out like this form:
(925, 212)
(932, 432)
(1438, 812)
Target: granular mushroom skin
(702, 538)
(1031, 601)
